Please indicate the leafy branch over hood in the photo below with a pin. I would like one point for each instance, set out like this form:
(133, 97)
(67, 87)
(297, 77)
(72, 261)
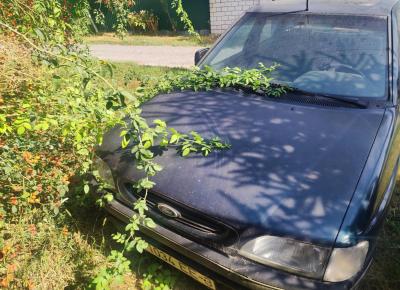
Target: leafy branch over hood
(257, 80)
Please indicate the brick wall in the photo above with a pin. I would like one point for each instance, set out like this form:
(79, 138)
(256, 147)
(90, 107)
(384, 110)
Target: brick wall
(224, 12)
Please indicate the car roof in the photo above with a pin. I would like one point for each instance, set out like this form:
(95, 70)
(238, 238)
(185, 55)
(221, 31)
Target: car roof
(355, 7)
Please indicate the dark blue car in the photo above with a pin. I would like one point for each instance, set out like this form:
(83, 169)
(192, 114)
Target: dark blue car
(298, 200)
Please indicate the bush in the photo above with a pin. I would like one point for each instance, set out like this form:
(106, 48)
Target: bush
(143, 21)
(40, 163)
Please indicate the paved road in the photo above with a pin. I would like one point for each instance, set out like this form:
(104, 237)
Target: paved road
(171, 56)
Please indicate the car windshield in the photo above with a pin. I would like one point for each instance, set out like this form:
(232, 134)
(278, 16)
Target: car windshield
(335, 55)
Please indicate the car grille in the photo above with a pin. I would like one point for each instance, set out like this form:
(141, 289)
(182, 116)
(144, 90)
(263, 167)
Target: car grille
(189, 223)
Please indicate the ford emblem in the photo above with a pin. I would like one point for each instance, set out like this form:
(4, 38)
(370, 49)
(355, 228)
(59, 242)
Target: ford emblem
(168, 211)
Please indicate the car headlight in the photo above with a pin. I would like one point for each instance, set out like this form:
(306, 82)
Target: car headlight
(287, 254)
(346, 262)
(102, 171)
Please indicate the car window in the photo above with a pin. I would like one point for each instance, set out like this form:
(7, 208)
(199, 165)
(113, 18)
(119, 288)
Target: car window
(327, 54)
(236, 42)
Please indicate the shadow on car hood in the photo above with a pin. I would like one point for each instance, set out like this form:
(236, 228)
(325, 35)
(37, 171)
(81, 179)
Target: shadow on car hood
(291, 171)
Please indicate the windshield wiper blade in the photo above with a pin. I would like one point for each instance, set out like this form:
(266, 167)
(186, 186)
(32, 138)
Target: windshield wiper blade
(350, 101)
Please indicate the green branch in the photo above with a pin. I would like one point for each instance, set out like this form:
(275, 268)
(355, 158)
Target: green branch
(184, 17)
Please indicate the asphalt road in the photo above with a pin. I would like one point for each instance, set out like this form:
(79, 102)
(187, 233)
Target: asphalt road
(170, 56)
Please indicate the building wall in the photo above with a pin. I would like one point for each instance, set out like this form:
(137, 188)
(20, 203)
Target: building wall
(224, 12)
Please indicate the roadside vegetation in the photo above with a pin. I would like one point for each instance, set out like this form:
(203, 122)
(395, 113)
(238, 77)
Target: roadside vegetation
(146, 40)
(130, 75)
(56, 101)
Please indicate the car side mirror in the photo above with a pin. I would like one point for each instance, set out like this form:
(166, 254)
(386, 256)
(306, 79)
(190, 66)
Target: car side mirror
(199, 54)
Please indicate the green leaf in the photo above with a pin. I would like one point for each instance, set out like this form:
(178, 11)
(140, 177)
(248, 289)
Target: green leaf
(186, 152)
(141, 246)
(157, 167)
(109, 105)
(147, 144)
(86, 188)
(83, 152)
(42, 126)
(174, 138)
(21, 130)
(127, 95)
(78, 137)
(125, 142)
(27, 126)
(108, 197)
(147, 184)
(25, 195)
(39, 34)
(150, 223)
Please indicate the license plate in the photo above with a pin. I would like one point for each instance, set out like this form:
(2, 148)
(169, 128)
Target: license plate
(182, 267)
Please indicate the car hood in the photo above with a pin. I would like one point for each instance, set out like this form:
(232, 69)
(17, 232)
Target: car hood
(292, 168)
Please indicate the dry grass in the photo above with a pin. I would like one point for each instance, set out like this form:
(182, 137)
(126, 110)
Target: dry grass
(16, 68)
(157, 40)
(128, 74)
(45, 256)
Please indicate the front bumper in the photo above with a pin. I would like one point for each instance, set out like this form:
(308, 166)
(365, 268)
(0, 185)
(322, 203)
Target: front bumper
(235, 272)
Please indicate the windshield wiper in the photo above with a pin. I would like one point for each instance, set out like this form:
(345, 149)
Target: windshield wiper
(350, 101)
